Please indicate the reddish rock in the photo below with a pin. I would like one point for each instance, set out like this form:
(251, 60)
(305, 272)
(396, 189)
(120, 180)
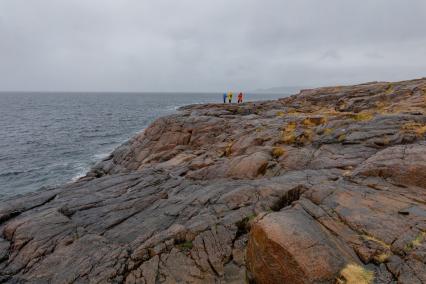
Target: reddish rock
(291, 247)
(310, 188)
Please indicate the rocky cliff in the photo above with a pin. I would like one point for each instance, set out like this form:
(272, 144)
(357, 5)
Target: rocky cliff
(327, 186)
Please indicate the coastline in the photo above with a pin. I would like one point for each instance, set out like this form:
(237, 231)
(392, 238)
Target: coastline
(317, 183)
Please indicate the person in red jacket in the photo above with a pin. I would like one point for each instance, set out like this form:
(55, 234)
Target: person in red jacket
(240, 97)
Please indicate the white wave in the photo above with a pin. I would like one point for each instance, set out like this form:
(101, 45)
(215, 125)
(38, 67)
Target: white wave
(81, 172)
(101, 156)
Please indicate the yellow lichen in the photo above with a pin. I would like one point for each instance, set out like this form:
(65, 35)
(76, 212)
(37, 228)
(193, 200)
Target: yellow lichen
(419, 129)
(356, 274)
(314, 121)
(291, 125)
(228, 149)
(341, 138)
(386, 140)
(383, 257)
(306, 137)
(280, 113)
(417, 241)
(376, 240)
(288, 135)
(328, 131)
(278, 152)
(362, 116)
(390, 90)
(288, 138)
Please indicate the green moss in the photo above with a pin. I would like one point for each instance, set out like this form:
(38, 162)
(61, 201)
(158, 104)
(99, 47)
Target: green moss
(362, 116)
(341, 138)
(187, 245)
(390, 90)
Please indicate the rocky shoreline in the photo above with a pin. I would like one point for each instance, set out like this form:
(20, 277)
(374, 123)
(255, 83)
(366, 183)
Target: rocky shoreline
(327, 186)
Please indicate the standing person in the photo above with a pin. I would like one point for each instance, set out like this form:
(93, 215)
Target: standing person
(230, 97)
(240, 98)
(224, 97)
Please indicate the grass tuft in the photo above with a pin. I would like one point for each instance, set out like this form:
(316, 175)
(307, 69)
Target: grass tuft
(288, 136)
(328, 131)
(185, 245)
(356, 274)
(417, 241)
(418, 129)
(362, 116)
(341, 138)
(306, 137)
(278, 152)
(380, 242)
(383, 257)
(228, 149)
(314, 121)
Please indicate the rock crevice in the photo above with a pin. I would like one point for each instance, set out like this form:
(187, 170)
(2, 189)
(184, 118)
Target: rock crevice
(321, 187)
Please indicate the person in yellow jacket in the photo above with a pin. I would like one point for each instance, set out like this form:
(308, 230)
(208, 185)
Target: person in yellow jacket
(230, 97)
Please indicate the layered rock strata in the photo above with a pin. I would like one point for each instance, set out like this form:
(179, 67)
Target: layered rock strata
(327, 186)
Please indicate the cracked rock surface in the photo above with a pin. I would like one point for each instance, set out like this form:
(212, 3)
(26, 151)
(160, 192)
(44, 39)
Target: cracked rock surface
(285, 191)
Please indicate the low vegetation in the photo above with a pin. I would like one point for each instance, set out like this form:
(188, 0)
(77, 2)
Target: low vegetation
(390, 90)
(314, 121)
(187, 245)
(280, 113)
(341, 138)
(376, 240)
(328, 131)
(382, 257)
(356, 274)
(362, 116)
(384, 253)
(419, 129)
(306, 137)
(278, 152)
(288, 135)
(228, 149)
(415, 242)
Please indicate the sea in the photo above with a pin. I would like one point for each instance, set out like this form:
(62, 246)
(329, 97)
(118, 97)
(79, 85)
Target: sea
(49, 139)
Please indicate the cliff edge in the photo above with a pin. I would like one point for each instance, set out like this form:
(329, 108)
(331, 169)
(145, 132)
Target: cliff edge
(327, 186)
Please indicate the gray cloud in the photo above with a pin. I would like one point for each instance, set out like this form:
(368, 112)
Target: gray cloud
(189, 45)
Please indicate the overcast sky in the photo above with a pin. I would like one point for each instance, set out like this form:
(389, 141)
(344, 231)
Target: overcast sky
(207, 45)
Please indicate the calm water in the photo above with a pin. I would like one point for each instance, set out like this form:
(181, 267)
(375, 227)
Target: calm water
(48, 139)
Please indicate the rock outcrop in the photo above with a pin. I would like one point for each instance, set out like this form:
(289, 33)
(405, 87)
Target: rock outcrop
(327, 186)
